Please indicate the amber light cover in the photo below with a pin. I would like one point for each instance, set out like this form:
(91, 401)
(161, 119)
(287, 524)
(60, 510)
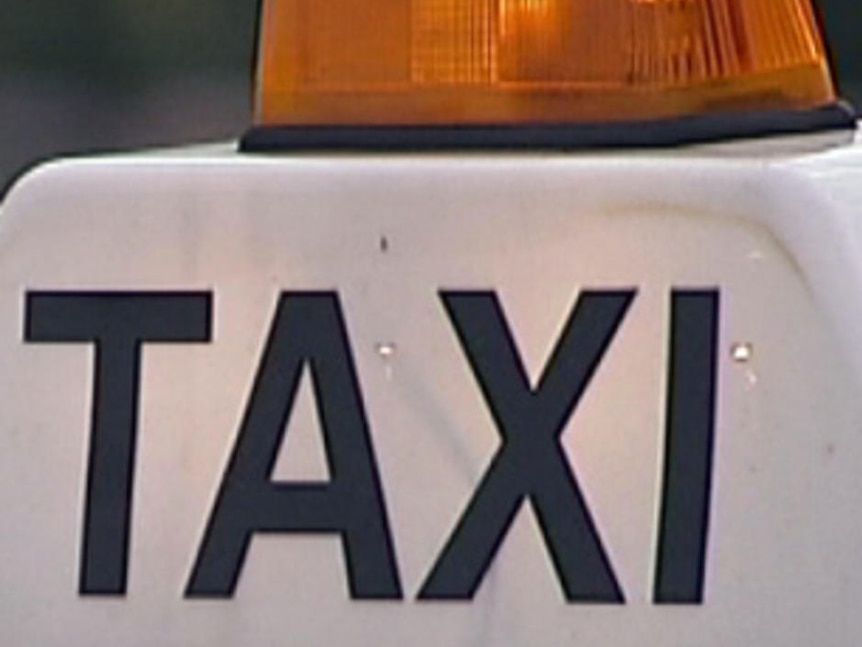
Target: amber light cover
(444, 62)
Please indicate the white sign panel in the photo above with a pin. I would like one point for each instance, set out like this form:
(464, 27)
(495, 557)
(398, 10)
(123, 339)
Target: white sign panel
(424, 401)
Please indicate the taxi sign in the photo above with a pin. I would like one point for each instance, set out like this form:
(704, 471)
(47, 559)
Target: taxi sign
(521, 399)
(359, 401)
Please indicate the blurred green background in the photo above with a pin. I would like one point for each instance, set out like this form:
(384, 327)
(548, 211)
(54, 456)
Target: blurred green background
(78, 76)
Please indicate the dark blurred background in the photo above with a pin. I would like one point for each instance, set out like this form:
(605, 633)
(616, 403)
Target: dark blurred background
(80, 76)
(94, 75)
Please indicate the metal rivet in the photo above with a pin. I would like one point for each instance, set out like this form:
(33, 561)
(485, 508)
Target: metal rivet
(742, 353)
(386, 351)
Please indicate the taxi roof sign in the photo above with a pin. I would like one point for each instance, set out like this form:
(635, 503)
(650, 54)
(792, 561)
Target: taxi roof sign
(542, 62)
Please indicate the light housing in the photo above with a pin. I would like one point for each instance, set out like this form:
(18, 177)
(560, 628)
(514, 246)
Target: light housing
(535, 63)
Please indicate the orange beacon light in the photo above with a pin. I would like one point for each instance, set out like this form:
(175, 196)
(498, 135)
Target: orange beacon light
(496, 67)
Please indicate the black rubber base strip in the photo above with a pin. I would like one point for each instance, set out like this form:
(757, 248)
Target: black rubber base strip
(531, 137)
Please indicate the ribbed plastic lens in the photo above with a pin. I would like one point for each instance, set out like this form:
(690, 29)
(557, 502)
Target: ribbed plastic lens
(413, 62)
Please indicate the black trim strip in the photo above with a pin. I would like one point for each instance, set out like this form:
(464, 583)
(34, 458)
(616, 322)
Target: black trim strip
(529, 137)
(254, 60)
(255, 52)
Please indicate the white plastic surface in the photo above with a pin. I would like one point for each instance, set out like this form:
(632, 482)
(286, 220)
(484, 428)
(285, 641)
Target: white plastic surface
(779, 237)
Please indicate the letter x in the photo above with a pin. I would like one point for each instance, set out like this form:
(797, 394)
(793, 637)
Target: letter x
(530, 463)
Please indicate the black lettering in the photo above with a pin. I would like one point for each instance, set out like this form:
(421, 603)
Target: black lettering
(530, 464)
(688, 461)
(118, 324)
(308, 330)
